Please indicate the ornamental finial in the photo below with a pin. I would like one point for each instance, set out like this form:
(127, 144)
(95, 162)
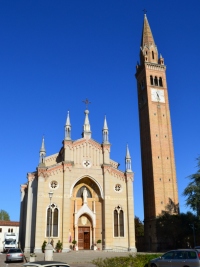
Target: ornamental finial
(87, 102)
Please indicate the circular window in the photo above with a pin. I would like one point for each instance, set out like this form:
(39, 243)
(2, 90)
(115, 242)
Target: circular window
(54, 185)
(118, 188)
(87, 164)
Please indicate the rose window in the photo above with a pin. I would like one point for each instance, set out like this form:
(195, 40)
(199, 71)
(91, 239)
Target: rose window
(54, 184)
(118, 188)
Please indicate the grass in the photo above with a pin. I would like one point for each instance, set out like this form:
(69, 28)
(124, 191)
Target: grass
(130, 261)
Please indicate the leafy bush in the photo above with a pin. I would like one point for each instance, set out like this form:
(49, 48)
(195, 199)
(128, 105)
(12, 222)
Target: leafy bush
(130, 261)
(44, 245)
(59, 245)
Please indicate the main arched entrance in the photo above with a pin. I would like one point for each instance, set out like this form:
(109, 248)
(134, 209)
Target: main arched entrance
(86, 198)
(85, 232)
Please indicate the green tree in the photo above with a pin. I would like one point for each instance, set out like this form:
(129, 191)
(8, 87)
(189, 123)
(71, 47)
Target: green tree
(192, 191)
(175, 230)
(4, 216)
(139, 227)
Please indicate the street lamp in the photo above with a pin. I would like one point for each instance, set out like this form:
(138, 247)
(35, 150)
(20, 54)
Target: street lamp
(50, 197)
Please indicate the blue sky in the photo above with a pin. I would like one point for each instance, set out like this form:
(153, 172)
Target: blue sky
(55, 54)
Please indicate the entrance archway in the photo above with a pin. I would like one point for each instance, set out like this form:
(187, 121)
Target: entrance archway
(85, 212)
(85, 232)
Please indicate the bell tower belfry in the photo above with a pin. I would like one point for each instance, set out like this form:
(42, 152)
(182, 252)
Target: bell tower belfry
(157, 152)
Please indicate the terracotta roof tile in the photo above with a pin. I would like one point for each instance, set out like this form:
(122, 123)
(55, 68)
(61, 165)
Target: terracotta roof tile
(9, 223)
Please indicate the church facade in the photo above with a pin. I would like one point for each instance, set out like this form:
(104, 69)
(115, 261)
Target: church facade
(78, 194)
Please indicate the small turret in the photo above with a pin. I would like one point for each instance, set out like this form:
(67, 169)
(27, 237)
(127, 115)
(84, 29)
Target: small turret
(68, 128)
(128, 160)
(42, 153)
(105, 132)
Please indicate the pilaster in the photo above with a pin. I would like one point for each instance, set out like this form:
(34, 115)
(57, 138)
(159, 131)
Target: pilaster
(107, 210)
(106, 153)
(23, 214)
(67, 208)
(41, 213)
(130, 212)
(29, 218)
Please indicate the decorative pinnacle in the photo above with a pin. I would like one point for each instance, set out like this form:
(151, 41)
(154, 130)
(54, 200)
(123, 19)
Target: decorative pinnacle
(42, 149)
(68, 120)
(105, 126)
(127, 152)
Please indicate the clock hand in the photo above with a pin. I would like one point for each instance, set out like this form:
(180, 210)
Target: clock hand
(158, 95)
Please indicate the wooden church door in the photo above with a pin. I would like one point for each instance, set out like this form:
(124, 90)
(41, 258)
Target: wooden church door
(84, 238)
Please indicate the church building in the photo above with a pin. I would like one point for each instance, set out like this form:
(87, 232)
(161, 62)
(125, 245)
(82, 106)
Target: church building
(90, 198)
(78, 194)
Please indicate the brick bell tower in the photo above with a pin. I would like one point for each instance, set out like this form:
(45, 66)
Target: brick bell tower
(157, 152)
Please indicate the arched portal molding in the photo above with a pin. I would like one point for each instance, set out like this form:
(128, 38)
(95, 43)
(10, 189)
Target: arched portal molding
(90, 177)
(85, 210)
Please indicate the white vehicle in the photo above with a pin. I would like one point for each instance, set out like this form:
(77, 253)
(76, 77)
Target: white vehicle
(10, 241)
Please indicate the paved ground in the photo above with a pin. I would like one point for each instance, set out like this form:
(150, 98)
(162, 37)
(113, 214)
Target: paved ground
(74, 258)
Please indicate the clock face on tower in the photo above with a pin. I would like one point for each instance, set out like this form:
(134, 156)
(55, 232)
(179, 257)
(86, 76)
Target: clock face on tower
(157, 95)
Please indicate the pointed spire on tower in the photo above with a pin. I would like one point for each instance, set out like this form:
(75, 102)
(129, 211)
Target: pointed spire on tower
(128, 160)
(67, 128)
(105, 132)
(42, 153)
(148, 47)
(147, 36)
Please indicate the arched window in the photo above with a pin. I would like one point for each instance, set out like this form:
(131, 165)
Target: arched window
(156, 80)
(121, 222)
(152, 55)
(118, 222)
(8, 230)
(80, 192)
(151, 80)
(55, 222)
(52, 221)
(105, 136)
(160, 81)
(11, 230)
(115, 223)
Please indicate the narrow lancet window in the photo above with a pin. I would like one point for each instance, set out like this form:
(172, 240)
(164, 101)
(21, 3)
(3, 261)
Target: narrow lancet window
(52, 221)
(151, 80)
(160, 82)
(118, 222)
(115, 223)
(156, 81)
